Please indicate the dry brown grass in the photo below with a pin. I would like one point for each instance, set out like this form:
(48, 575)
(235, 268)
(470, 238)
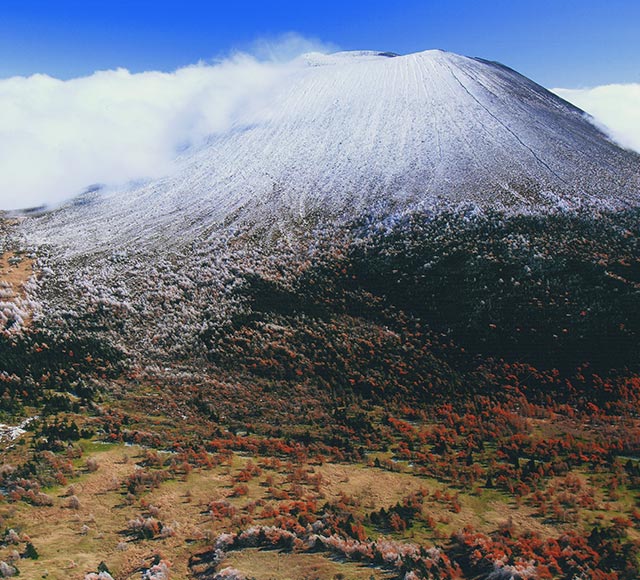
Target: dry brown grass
(66, 553)
(14, 276)
(56, 531)
(377, 488)
(273, 565)
(374, 488)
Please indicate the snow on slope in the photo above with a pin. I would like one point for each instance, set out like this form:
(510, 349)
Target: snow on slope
(355, 132)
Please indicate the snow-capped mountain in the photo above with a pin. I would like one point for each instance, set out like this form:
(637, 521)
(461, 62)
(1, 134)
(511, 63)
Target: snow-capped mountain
(359, 132)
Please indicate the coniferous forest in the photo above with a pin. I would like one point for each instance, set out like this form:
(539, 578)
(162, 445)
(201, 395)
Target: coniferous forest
(450, 395)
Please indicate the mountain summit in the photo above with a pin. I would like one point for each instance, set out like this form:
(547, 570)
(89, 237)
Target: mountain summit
(364, 131)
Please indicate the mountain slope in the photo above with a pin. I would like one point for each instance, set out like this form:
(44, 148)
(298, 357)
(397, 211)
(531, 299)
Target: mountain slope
(463, 386)
(355, 132)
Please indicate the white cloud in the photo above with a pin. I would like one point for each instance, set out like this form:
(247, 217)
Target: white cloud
(615, 108)
(288, 46)
(58, 137)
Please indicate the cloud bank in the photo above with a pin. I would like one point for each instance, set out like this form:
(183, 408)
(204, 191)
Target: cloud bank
(59, 137)
(615, 108)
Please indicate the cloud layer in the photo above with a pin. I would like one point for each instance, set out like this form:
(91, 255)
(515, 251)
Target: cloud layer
(59, 137)
(615, 108)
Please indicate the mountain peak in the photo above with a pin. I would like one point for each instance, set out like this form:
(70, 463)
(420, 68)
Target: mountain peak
(366, 131)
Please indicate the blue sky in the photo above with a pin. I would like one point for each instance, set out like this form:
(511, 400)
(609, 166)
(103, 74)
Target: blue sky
(568, 43)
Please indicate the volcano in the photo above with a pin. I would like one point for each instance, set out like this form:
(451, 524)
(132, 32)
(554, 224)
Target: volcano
(366, 132)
